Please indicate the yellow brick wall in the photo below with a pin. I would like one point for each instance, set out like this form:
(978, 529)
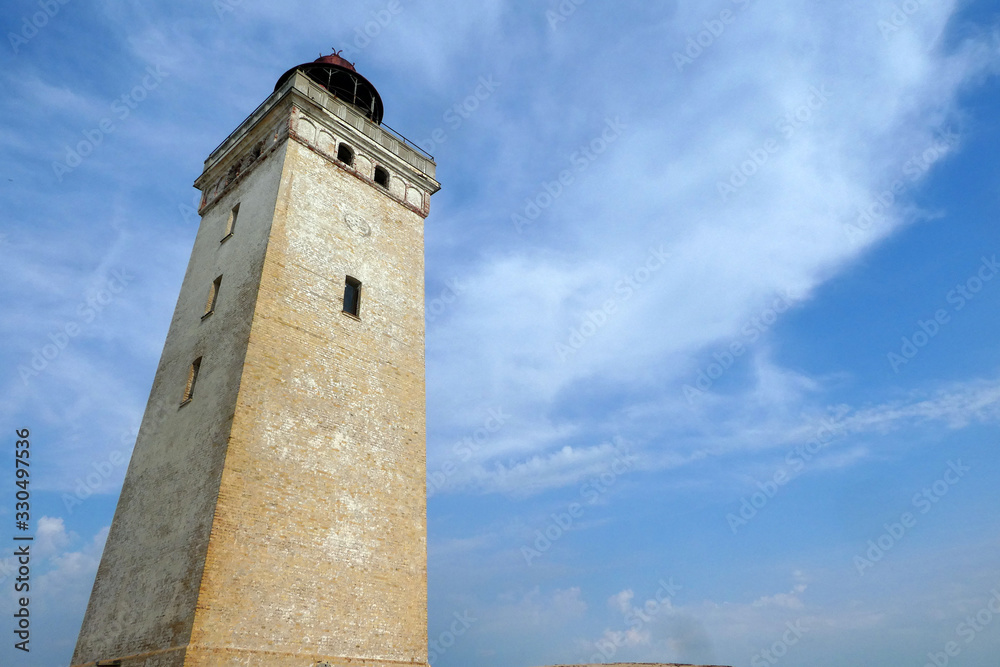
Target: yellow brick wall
(319, 540)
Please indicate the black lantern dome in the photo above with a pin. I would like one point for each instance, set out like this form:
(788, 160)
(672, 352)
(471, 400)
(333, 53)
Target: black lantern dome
(339, 77)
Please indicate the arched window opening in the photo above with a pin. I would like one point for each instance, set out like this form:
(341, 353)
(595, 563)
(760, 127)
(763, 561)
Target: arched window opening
(345, 154)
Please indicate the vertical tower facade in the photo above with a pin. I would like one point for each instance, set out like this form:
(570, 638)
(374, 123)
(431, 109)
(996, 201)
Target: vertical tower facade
(274, 510)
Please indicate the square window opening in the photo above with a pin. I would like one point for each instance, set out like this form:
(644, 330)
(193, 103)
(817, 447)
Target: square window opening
(352, 296)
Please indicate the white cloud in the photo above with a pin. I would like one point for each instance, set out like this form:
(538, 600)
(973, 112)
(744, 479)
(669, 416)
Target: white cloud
(622, 601)
(520, 613)
(61, 577)
(790, 600)
(776, 422)
(788, 228)
(50, 537)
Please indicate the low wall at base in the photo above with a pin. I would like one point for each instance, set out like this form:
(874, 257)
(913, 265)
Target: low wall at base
(639, 664)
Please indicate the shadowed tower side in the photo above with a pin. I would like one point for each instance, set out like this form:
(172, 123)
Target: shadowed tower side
(274, 510)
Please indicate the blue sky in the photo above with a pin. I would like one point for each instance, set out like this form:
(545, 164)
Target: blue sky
(695, 404)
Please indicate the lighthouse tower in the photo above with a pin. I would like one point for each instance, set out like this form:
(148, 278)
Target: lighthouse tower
(274, 510)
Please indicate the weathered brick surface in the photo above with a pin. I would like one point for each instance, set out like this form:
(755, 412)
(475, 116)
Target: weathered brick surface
(319, 539)
(279, 518)
(148, 580)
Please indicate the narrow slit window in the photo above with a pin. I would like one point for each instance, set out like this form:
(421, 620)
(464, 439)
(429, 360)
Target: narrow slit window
(231, 223)
(345, 154)
(213, 297)
(382, 177)
(352, 297)
(192, 380)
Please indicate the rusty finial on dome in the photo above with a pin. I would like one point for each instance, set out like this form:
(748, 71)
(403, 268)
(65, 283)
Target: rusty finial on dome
(336, 59)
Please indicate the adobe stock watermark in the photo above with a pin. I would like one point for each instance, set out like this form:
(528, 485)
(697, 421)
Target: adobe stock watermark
(899, 17)
(703, 40)
(7, 568)
(88, 484)
(788, 125)
(447, 638)
(580, 160)
(562, 12)
(637, 618)
(796, 461)
(958, 297)
(464, 449)
(223, 7)
(779, 649)
(86, 312)
(625, 289)
(967, 630)
(448, 295)
(923, 501)
(189, 212)
(750, 333)
(377, 23)
(873, 215)
(32, 24)
(561, 522)
(121, 109)
(456, 115)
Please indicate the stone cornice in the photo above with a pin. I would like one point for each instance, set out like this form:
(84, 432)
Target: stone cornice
(305, 112)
